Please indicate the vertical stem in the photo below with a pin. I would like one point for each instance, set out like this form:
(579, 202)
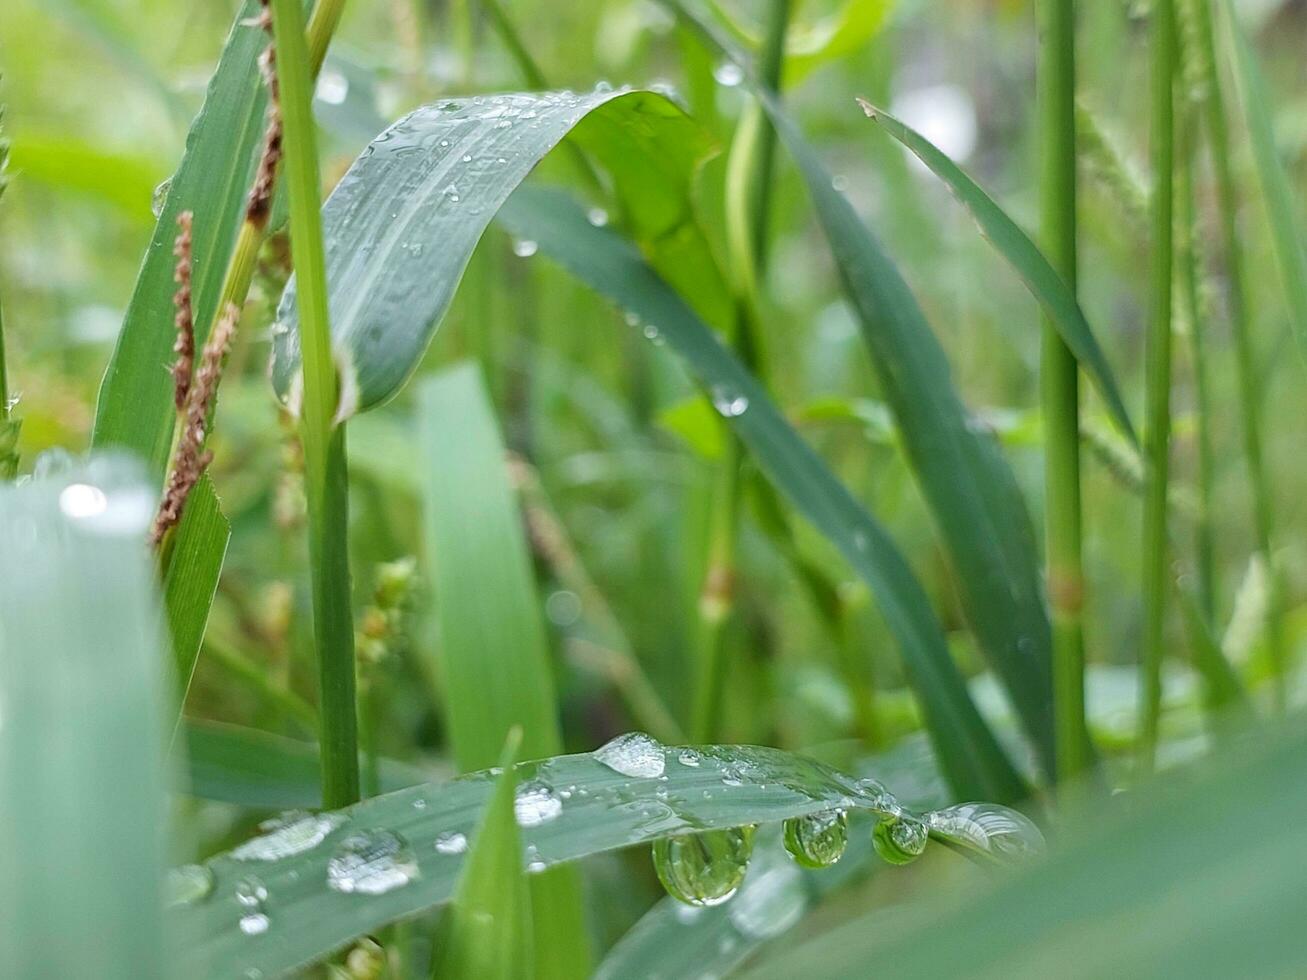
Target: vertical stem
(1218, 133)
(1158, 382)
(748, 195)
(325, 476)
(1060, 392)
(1187, 260)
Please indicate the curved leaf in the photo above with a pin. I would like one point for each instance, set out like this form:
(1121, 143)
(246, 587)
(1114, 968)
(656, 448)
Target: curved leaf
(402, 223)
(975, 764)
(592, 808)
(1025, 257)
(967, 484)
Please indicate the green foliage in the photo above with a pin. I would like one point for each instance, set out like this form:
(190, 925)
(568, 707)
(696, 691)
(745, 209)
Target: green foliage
(82, 696)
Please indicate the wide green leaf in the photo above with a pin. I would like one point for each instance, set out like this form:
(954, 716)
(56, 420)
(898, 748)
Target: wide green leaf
(82, 728)
(1201, 877)
(566, 807)
(968, 486)
(613, 266)
(403, 222)
(1287, 232)
(135, 408)
(494, 652)
(1026, 259)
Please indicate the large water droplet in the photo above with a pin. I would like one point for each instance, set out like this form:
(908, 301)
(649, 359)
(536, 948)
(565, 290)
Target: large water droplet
(251, 895)
(633, 754)
(160, 196)
(451, 842)
(704, 869)
(524, 248)
(289, 833)
(729, 402)
(535, 803)
(187, 885)
(900, 840)
(989, 827)
(728, 73)
(817, 840)
(371, 862)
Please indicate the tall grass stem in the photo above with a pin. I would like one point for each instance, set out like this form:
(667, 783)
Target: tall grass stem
(325, 476)
(1060, 391)
(1156, 580)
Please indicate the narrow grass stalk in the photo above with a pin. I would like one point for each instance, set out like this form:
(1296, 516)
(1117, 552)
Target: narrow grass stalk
(1158, 381)
(1250, 412)
(748, 196)
(1188, 275)
(1060, 393)
(326, 481)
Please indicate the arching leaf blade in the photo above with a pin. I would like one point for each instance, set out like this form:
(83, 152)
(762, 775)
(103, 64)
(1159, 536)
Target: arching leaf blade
(613, 266)
(1020, 252)
(605, 810)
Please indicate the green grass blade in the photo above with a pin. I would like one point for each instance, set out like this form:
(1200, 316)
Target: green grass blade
(1207, 872)
(65, 162)
(191, 580)
(1281, 207)
(975, 764)
(968, 486)
(1020, 251)
(604, 810)
(82, 695)
(322, 433)
(256, 769)
(486, 932)
(403, 222)
(494, 652)
(135, 408)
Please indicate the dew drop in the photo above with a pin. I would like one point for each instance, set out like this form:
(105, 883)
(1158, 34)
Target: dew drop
(633, 754)
(371, 862)
(332, 87)
(729, 402)
(728, 73)
(989, 827)
(690, 758)
(251, 895)
(187, 885)
(900, 840)
(597, 217)
(704, 869)
(524, 248)
(817, 840)
(287, 834)
(160, 197)
(451, 842)
(535, 803)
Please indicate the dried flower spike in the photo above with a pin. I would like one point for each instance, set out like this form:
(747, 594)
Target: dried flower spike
(184, 348)
(259, 204)
(190, 459)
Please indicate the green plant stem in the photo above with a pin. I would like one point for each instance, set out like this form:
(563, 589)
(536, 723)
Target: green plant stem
(748, 195)
(1158, 381)
(1250, 413)
(1060, 391)
(1188, 262)
(325, 476)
